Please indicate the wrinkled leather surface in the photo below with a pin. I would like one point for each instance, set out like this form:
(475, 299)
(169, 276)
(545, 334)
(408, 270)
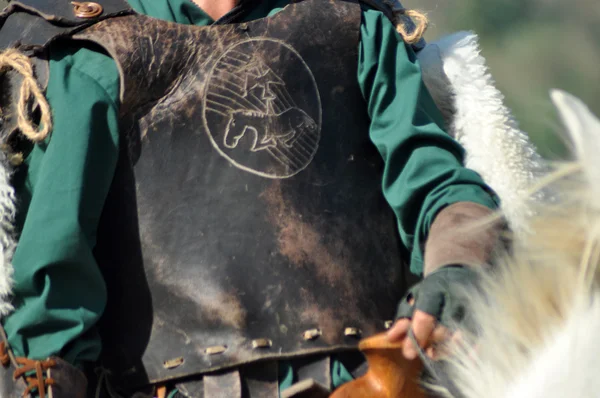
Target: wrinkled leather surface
(224, 255)
(38, 22)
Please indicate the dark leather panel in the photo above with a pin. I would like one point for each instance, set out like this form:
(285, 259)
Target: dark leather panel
(245, 235)
(223, 385)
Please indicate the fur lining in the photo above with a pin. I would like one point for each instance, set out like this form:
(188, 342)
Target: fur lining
(459, 81)
(7, 235)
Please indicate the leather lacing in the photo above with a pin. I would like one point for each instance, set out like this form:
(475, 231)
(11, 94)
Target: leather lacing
(35, 382)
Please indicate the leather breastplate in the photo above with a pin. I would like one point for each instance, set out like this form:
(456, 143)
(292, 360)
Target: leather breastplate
(246, 220)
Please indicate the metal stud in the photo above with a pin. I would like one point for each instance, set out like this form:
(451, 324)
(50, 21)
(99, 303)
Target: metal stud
(261, 343)
(352, 332)
(87, 9)
(311, 334)
(388, 324)
(218, 349)
(173, 363)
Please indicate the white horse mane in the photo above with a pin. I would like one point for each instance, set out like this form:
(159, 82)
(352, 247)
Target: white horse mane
(539, 315)
(539, 319)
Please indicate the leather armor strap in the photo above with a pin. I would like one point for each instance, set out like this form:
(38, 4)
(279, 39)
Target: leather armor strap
(317, 369)
(21, 23)
(223, 385)
(258, 380)
(36, 23)
(262, 379)
(314, 378)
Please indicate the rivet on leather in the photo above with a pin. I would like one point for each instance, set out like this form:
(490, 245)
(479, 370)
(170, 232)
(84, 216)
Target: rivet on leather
(87, 9)
(311, 334)
(261, 343)
(352, 332)
(219, 349)
(173, 363)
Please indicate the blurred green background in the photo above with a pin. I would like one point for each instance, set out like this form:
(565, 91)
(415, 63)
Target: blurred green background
(531, 47)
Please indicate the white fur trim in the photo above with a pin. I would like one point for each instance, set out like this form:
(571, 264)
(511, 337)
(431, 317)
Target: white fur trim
(7, 235)
(460, 83)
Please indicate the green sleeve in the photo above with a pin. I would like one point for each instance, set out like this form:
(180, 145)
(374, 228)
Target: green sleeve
(61, 189)
(423, 165)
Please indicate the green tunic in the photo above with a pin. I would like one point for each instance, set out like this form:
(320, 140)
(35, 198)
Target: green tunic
(63, 183)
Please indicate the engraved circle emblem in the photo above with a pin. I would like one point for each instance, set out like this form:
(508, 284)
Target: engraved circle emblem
(262, 109)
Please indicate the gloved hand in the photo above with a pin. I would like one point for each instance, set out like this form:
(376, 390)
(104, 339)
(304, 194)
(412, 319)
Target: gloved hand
(431, 308)
(440, 294)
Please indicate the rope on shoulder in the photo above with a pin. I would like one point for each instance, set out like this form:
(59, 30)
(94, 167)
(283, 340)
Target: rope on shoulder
(410, 24)
(419, 19)
(30, 91)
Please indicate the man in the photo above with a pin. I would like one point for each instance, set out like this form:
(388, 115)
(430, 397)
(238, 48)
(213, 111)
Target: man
(208, 212)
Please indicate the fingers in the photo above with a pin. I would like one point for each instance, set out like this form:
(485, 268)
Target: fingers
(427, 333)
(398, 332)
(440, 335)
(423, 326)
(438, 345)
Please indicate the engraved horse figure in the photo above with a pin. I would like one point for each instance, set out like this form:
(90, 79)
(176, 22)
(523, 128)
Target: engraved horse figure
(268, 130)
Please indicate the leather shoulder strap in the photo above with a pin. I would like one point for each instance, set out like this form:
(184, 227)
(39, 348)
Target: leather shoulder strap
(32, 24)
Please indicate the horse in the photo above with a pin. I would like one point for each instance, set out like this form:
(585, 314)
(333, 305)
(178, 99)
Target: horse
(536, 311)
(269, 130)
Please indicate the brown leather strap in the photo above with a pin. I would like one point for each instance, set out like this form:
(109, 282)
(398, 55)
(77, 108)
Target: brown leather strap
(457, 236)
(39, 381)
(223, 385)
(161, 392)
(4, 357)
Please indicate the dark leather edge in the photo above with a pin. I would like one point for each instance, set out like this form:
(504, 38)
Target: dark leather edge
(33, 30)
(62, 13)
(297, 355)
